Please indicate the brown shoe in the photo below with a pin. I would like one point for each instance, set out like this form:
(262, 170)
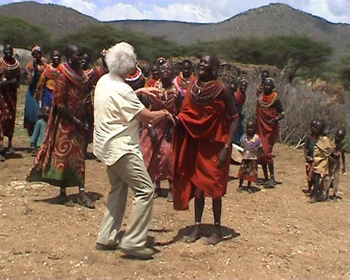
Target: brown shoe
(103, 247)
(140, 253)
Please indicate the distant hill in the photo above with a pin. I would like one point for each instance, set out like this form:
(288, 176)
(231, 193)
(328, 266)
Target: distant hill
(274, 19)
(59, 20)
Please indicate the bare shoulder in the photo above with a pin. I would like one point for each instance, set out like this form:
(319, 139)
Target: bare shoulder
(225, 93)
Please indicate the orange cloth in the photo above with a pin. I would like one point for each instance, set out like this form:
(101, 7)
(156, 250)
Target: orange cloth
(200, 135)
(267, 132)
(239, 98)
(150, 82)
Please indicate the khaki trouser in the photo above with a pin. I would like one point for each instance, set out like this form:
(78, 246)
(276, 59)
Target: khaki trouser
(128, 171)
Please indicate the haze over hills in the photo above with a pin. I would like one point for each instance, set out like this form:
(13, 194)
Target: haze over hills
(274, 19)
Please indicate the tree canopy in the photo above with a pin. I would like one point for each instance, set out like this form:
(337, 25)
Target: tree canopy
(22, 34)
(289, 53)
(95, 38)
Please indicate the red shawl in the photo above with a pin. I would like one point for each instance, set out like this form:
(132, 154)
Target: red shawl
(240, 98)
(51, 72)
(198, 138)
(266, 111)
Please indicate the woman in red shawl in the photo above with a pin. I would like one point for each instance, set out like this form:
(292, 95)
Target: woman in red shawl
(61, 158)
(154, 78)
(156, 140)
(185, 77)
(47, 81)
(268, 113)
(202, 145)
(10, 75)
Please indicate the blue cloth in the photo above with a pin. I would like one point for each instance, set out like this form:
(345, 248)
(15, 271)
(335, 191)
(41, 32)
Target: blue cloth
(240, 129)
(47, 97)
(31, 109)
(39, 133)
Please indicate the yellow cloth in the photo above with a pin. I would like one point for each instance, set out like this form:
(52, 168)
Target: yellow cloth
(50, 84)
(322, 150)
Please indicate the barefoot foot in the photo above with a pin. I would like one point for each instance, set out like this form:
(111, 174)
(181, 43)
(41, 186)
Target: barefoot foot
(214, 239)
(194, 236)
(65, 200)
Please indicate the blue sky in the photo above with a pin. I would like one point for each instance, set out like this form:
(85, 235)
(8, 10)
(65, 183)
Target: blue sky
(195, 10)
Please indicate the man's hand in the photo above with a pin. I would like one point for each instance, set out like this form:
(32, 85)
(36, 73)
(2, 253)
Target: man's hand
(151, 91)
(152, 135)
(222, 157)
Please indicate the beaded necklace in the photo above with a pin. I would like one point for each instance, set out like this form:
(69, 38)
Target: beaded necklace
(8, 69)
(7, 66)
(266, 101)
(78, 79)
(167, 95)
(51, 72)
(134, 77)
(204, 93)
(182, 81)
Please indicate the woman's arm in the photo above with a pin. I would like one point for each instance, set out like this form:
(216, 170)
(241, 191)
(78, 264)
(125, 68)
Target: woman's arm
(232, 111)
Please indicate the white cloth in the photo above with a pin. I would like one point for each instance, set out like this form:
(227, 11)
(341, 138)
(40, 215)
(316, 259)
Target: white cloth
(116, 128)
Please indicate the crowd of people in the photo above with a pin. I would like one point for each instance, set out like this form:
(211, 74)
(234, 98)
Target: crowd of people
(146, 130)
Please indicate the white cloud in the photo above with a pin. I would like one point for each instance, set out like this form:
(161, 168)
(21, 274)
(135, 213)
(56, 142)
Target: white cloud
(196, 10)
(181, 12)
(83, 6)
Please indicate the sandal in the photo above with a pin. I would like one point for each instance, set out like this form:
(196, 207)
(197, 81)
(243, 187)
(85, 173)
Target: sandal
(86, 202)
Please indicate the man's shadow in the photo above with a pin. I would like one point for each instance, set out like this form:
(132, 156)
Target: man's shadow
(74, 197)
(206, 231)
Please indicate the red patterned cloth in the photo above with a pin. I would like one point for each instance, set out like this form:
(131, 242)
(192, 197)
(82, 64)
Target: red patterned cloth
(61, 156)
(200, 135)
(158, 157)
(9, 70)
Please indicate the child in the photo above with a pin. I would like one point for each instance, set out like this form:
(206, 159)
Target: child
(309, 155)
(334, 163)
(322, 150)
(39, 129)
(251, 143)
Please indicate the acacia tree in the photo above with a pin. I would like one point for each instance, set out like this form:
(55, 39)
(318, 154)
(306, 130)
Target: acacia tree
(289, 53)
(292, 53)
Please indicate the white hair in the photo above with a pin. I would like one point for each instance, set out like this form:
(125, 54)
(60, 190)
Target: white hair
(121, 59)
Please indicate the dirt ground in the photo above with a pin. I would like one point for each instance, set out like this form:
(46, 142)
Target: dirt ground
(271, 234)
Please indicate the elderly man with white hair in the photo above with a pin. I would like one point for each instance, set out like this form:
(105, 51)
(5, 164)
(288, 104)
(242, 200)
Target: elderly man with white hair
(118, 112)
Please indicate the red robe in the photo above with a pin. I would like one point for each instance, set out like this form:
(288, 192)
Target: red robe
(266, 110)
(158, 156)
(9, 70)
(200, 135)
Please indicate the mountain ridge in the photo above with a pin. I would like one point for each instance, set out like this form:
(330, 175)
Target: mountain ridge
(272, 19)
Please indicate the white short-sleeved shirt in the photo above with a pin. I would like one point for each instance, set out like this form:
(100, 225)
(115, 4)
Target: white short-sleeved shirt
(115, 126)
